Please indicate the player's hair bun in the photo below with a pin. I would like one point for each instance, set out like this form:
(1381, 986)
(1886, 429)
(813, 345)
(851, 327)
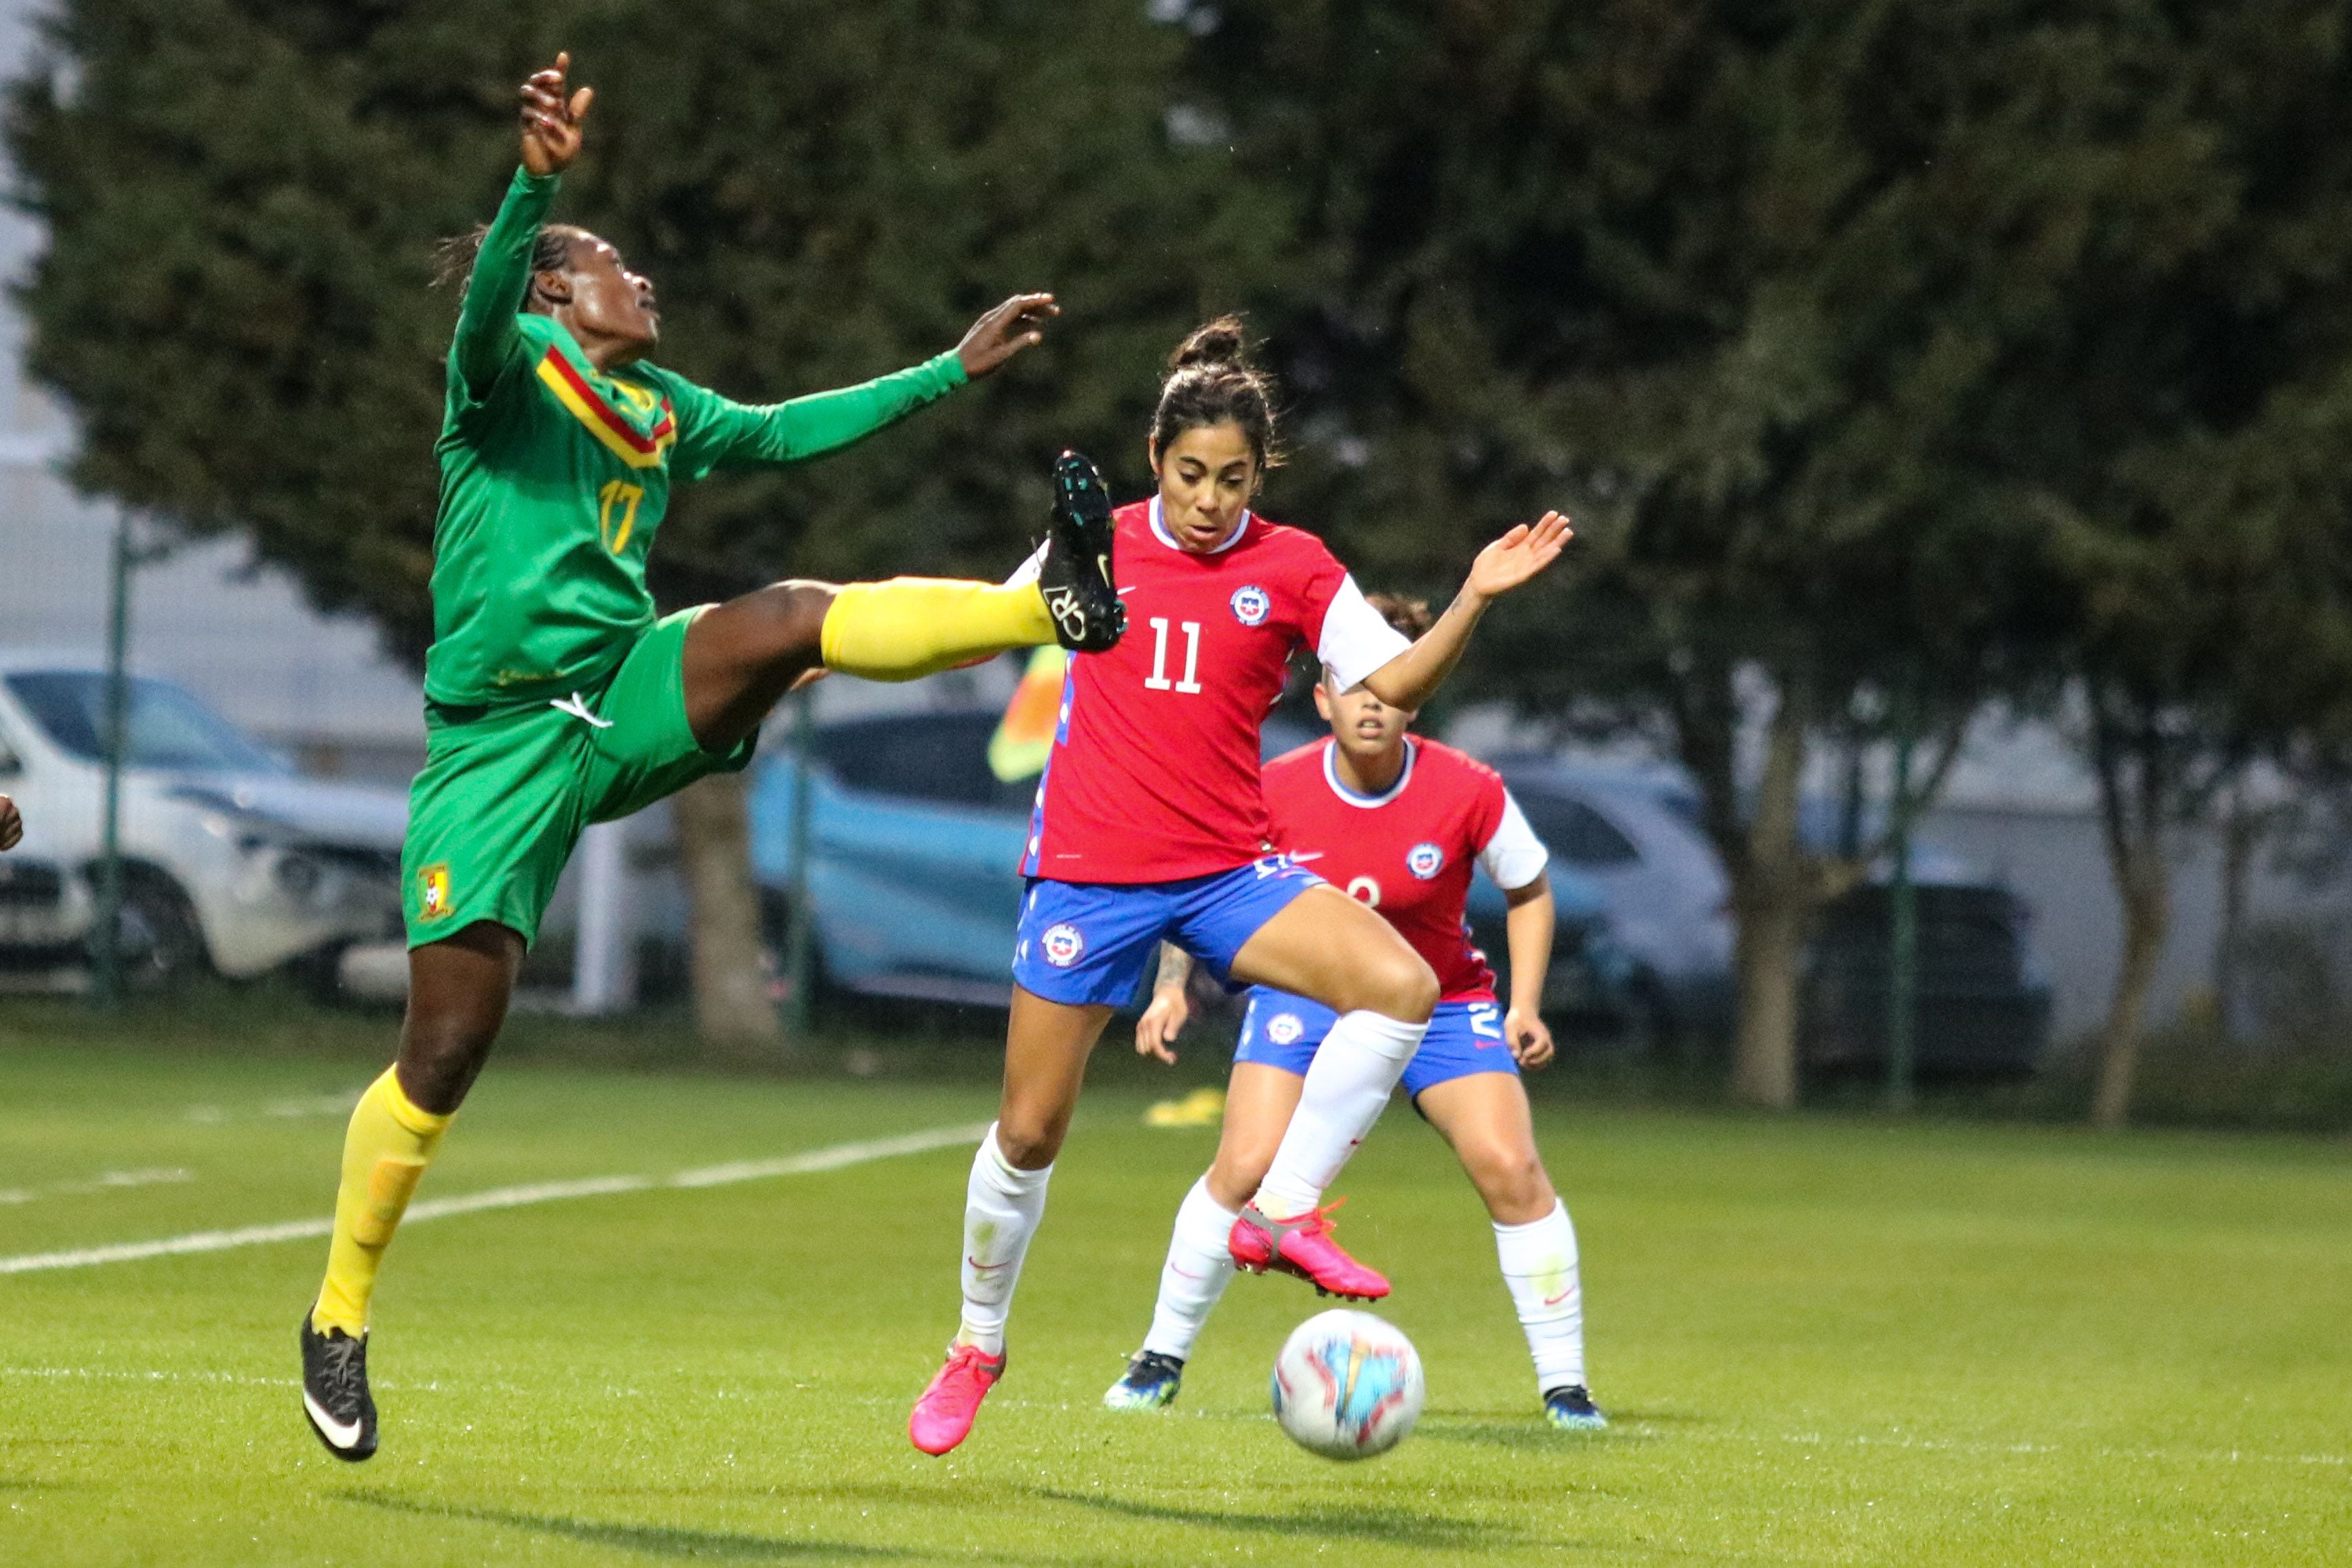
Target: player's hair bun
(1211, 381)
(1217, 343)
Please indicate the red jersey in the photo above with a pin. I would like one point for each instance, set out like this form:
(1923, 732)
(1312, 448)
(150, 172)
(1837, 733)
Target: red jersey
(1408, 851)
(1154, 772)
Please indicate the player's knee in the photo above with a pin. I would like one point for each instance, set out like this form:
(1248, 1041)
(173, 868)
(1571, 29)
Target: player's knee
(1404, 986)
(441, 1052)
(1029, 1144)
(1510, 1178)
(793, 614)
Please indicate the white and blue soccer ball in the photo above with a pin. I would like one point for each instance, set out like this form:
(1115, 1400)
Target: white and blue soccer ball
(1348, 1385)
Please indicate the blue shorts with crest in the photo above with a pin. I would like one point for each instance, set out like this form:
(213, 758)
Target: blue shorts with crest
(1086, 943)
(1282, 1031)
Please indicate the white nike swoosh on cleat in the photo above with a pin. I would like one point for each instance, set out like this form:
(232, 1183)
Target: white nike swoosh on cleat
(578, 710)
(341, 1434)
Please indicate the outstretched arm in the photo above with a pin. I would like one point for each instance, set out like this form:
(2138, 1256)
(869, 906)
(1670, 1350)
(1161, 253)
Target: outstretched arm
(715, 432)
(1413, 677)
(487, 334)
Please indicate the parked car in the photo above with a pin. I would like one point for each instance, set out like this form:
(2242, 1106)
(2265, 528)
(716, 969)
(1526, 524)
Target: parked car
(917, 843)
(44, 910)
(1984, 1000)
(231, 859)
(1631, 834)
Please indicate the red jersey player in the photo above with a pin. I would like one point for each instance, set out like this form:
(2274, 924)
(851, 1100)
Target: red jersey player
(1149, 826)
(1399, 823)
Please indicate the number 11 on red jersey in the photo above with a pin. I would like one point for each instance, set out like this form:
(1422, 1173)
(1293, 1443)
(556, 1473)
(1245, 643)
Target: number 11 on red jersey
(1158, 679)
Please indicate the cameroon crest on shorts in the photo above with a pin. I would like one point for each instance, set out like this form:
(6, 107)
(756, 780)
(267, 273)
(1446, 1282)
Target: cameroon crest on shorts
(433, 901)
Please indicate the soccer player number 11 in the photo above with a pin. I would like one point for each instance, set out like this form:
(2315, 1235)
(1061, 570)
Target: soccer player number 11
(1158, 681)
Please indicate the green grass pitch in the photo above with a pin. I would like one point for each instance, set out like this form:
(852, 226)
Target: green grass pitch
(1823, 1340)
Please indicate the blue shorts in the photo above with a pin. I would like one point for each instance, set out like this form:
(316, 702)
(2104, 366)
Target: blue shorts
(1093, 941)
(1282, 1031)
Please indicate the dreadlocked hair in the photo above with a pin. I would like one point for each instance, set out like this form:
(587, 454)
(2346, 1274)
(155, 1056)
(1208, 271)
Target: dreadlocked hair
(453, 258)
(1211, 379)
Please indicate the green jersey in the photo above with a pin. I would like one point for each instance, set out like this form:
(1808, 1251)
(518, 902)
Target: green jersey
(555, 476)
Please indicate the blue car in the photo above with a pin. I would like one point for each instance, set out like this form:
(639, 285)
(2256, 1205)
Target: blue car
(915, 844)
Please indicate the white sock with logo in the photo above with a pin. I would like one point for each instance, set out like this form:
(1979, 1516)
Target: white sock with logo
(1000, 1211)
(1199, 1262)
(1347, 1087)
(1538, 1262)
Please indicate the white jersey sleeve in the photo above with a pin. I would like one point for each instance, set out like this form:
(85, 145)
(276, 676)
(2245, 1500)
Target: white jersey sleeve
(1515, 856)
(1357, 638)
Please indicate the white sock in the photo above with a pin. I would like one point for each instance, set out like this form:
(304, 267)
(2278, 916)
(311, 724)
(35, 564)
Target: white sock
(1199, 1262)
(1538, 1262)
(1000, 1211)
(1346, 1088)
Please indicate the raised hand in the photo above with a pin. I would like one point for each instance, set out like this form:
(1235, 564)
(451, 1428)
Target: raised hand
(1016, 324)
(1519, 555)
(550, 117)
(12, 826)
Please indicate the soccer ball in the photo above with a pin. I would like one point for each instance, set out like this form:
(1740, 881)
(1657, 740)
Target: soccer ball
(1346, 1385)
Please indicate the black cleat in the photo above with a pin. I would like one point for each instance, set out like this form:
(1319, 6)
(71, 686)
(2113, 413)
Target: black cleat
(1076, 573)
(335, 1391)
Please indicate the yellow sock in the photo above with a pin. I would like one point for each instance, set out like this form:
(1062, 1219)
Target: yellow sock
(385, 1151)
(913, 627)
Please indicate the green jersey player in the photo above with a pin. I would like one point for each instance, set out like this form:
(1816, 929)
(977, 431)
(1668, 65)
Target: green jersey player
(556, 698)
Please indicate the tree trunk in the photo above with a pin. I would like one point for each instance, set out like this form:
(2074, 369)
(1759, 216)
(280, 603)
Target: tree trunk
(1771, 899)
(2144, 884)
(731, 1010)
(1764, 1056)
(2134, 765)
(2243, 827)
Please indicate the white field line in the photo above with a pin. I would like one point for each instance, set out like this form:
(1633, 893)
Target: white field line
(829, 1159)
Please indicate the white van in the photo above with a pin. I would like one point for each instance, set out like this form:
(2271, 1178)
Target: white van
(232, 861)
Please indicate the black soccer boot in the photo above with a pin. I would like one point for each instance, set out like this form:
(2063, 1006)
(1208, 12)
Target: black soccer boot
(1076, 573)
(335, 1391)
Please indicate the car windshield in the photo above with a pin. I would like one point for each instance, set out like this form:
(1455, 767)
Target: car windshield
(1574, 831)
(167, 728)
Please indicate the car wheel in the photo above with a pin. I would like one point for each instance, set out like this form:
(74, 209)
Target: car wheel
(159, 942)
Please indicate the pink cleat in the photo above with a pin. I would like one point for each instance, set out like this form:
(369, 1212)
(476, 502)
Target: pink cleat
(944, 1414)
(1303, 1246)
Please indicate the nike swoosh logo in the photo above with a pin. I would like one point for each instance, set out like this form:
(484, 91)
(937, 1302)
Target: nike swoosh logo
(986, 1267)
(341, 1433)
(1305, 856)
(579, 709)
(1564, 1295)
(1186, 1272)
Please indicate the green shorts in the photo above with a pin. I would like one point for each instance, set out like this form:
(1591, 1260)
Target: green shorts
(508, 789)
